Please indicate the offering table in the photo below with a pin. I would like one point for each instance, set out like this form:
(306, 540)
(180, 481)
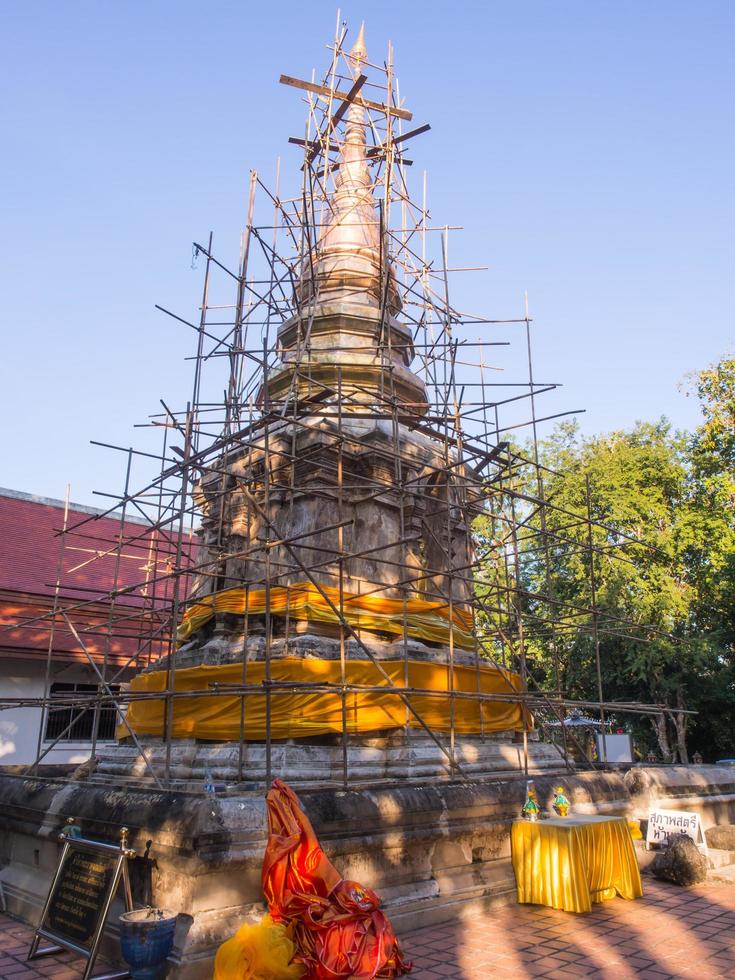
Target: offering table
(570, 862)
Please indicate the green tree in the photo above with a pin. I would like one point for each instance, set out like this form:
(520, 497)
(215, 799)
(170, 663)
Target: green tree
(709, 556)
(647, 583)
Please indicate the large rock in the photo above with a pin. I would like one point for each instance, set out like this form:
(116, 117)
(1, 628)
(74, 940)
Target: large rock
(681, 863)
(722, 837)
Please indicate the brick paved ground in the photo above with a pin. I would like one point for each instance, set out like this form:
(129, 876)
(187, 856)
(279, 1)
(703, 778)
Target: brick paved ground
(15, 938)
(670, 932)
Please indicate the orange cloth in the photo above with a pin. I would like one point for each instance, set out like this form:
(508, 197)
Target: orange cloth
(339, 929)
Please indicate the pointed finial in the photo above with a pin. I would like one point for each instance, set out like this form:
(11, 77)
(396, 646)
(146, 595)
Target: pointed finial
(358, 53)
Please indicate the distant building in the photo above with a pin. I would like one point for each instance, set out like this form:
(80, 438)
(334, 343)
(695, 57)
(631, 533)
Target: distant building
(39, 650)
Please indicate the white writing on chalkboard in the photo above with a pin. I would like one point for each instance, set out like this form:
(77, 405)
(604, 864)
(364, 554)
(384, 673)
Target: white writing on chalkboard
(78, 897)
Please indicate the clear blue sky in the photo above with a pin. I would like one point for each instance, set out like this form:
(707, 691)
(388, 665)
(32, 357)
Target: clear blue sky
(587, 149)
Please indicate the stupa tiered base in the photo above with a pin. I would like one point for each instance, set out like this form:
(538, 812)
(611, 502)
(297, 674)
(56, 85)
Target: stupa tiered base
(371, 761)
(371, 757)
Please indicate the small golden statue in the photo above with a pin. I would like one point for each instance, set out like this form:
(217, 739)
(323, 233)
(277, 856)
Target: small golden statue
(561, 804)
(531, 809)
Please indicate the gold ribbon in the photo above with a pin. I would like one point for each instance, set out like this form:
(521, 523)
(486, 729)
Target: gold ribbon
(421, 619)
(298, 713)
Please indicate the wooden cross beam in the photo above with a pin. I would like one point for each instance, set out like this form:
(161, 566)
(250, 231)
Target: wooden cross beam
(328, 93)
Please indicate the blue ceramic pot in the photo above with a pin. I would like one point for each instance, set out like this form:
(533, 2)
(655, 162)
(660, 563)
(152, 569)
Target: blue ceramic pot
(146, 939)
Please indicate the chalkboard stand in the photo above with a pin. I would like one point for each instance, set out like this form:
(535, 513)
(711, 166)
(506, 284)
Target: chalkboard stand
(98, 893)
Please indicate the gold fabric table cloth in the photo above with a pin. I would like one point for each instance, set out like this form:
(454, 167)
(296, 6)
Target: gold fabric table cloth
(570, 862)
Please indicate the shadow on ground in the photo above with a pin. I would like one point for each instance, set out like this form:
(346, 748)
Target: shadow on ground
(669, 933)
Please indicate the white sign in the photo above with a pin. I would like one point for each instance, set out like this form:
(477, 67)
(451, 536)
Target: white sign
(663, 824)
(614, 748)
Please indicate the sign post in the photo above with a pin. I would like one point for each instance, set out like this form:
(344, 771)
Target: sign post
(79, 900)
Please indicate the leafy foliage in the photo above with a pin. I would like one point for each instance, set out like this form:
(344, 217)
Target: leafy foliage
(648, 582)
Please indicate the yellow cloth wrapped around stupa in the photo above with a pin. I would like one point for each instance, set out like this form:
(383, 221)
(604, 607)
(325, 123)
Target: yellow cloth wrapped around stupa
(262, 951)
(419, 618)
(300, 712)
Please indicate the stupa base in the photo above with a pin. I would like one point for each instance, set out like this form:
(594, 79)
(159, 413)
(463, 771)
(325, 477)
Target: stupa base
(320, 764)
(432, 850)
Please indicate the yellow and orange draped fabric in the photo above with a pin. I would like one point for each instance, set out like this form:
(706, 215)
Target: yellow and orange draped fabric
(570, 862)
(258, 951)
(339, 929)
(420, 618)
(299, 713)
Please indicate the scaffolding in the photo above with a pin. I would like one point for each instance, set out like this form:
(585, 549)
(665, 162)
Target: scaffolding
(254, 389)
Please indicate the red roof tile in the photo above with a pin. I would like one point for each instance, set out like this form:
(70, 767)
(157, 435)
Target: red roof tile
(30, 550)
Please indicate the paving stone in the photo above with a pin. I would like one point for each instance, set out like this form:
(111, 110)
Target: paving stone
(667, 935)
(15, 940)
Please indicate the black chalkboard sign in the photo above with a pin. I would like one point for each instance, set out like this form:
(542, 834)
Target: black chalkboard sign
(78, 897)
(84, 886)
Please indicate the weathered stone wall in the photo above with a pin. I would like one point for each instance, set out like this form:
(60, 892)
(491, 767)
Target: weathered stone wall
(304, 499)
(430, 851)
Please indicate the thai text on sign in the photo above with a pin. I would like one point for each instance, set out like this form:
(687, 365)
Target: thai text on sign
(78, 898)
(663, 824)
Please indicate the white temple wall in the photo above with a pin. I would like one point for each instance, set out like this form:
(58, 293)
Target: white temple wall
(19, 727)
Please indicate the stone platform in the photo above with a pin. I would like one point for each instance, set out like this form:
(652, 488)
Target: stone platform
(371, 761)
(434, 852)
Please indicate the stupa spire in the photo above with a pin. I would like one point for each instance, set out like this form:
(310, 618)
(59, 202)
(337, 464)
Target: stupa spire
(358, 54)
(348, 264)
(353, 169)
(345, 335)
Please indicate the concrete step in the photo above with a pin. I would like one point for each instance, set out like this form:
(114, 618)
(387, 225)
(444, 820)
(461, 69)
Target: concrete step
(725, 876)
(719, 858)
(644, 857)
